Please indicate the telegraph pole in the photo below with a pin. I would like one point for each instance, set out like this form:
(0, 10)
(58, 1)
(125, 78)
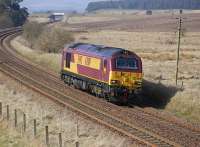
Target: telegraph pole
(178, 49)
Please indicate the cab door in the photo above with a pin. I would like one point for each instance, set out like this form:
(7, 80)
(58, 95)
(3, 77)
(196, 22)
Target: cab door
(105, 70)
(68, 60)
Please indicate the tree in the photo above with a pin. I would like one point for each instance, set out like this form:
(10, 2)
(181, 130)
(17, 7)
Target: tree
(17, 14)
(144, 4)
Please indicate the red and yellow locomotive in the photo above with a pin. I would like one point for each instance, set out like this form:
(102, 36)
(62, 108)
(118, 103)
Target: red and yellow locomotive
(109, 72)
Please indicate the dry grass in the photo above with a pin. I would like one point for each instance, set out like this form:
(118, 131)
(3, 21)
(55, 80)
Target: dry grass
(182, 102)
(90, 18)
(11, 138)
(52, 40)
(44, 38)
(59, 119)
(39, 17)
(155, 46)
(141, 41)
(32, 31)
(50, 60)
(158, 51)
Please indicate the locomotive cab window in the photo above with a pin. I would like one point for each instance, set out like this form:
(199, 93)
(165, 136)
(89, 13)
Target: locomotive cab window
(68, 59)
(104, 66)
(126, 63)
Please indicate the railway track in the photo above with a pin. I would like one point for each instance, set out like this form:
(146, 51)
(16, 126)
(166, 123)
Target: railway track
(138, 109)
(48, 84)
(15, 70)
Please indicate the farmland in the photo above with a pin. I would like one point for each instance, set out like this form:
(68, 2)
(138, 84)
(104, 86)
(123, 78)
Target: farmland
(154, 38)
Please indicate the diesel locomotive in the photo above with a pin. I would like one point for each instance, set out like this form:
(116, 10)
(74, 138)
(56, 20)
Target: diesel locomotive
(108, 72)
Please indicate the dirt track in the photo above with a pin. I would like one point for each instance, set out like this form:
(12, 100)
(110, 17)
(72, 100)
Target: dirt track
(154, 23)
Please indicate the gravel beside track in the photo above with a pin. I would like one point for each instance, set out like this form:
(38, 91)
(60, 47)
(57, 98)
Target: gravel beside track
(142, 126)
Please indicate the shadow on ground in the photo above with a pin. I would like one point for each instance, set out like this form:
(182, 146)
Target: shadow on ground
(154, 95)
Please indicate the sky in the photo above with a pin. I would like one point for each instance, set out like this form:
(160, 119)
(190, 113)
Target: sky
(42, 5)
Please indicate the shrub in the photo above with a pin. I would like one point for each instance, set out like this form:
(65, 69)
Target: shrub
(32, 30)
(53, 39)
(47, 39)
(170, 42)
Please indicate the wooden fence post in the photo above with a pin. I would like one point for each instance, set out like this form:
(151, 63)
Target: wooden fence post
(60, 140)
(1, 109)
(15, 118)
(34, 128)
(47, 135)
(8, 113)
(24, 122)
(77, 144)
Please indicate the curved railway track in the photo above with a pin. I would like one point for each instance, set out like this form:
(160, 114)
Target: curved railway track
(107, 114)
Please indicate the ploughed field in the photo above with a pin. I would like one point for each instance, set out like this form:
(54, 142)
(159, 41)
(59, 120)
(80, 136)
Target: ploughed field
(140, 23)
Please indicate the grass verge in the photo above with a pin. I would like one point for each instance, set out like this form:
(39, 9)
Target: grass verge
(9, 138)
(48, 60)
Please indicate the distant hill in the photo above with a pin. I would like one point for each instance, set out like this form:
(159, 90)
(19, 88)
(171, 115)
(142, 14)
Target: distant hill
(144, 4)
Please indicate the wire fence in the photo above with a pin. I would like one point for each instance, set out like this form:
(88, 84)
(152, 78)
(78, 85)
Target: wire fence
(32, 129)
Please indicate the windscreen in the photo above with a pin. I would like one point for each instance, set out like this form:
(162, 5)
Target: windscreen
(126, 63)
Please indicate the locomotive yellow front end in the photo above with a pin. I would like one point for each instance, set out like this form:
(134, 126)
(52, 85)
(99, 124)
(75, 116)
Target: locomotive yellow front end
(131, 80)
(126, 75)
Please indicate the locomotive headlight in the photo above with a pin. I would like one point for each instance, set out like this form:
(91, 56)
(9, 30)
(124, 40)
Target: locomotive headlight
(114, 81)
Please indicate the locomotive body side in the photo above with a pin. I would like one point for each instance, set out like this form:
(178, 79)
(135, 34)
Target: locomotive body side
(100, 74)
(84, 65)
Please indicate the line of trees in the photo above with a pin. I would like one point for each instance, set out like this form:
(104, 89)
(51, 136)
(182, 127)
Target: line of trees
(11, 14)
(144, 4)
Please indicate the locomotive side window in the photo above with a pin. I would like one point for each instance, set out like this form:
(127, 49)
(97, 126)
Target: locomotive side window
(105, 63)
(68, 59)
(126, 63)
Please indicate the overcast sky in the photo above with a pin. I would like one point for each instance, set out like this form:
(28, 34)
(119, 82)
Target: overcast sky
(37, 5)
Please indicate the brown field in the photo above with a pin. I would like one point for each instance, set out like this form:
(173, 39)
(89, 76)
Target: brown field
(139, 22)
(154, 38)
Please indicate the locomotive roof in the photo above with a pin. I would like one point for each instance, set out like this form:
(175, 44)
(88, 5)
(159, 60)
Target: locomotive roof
(96, 50)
